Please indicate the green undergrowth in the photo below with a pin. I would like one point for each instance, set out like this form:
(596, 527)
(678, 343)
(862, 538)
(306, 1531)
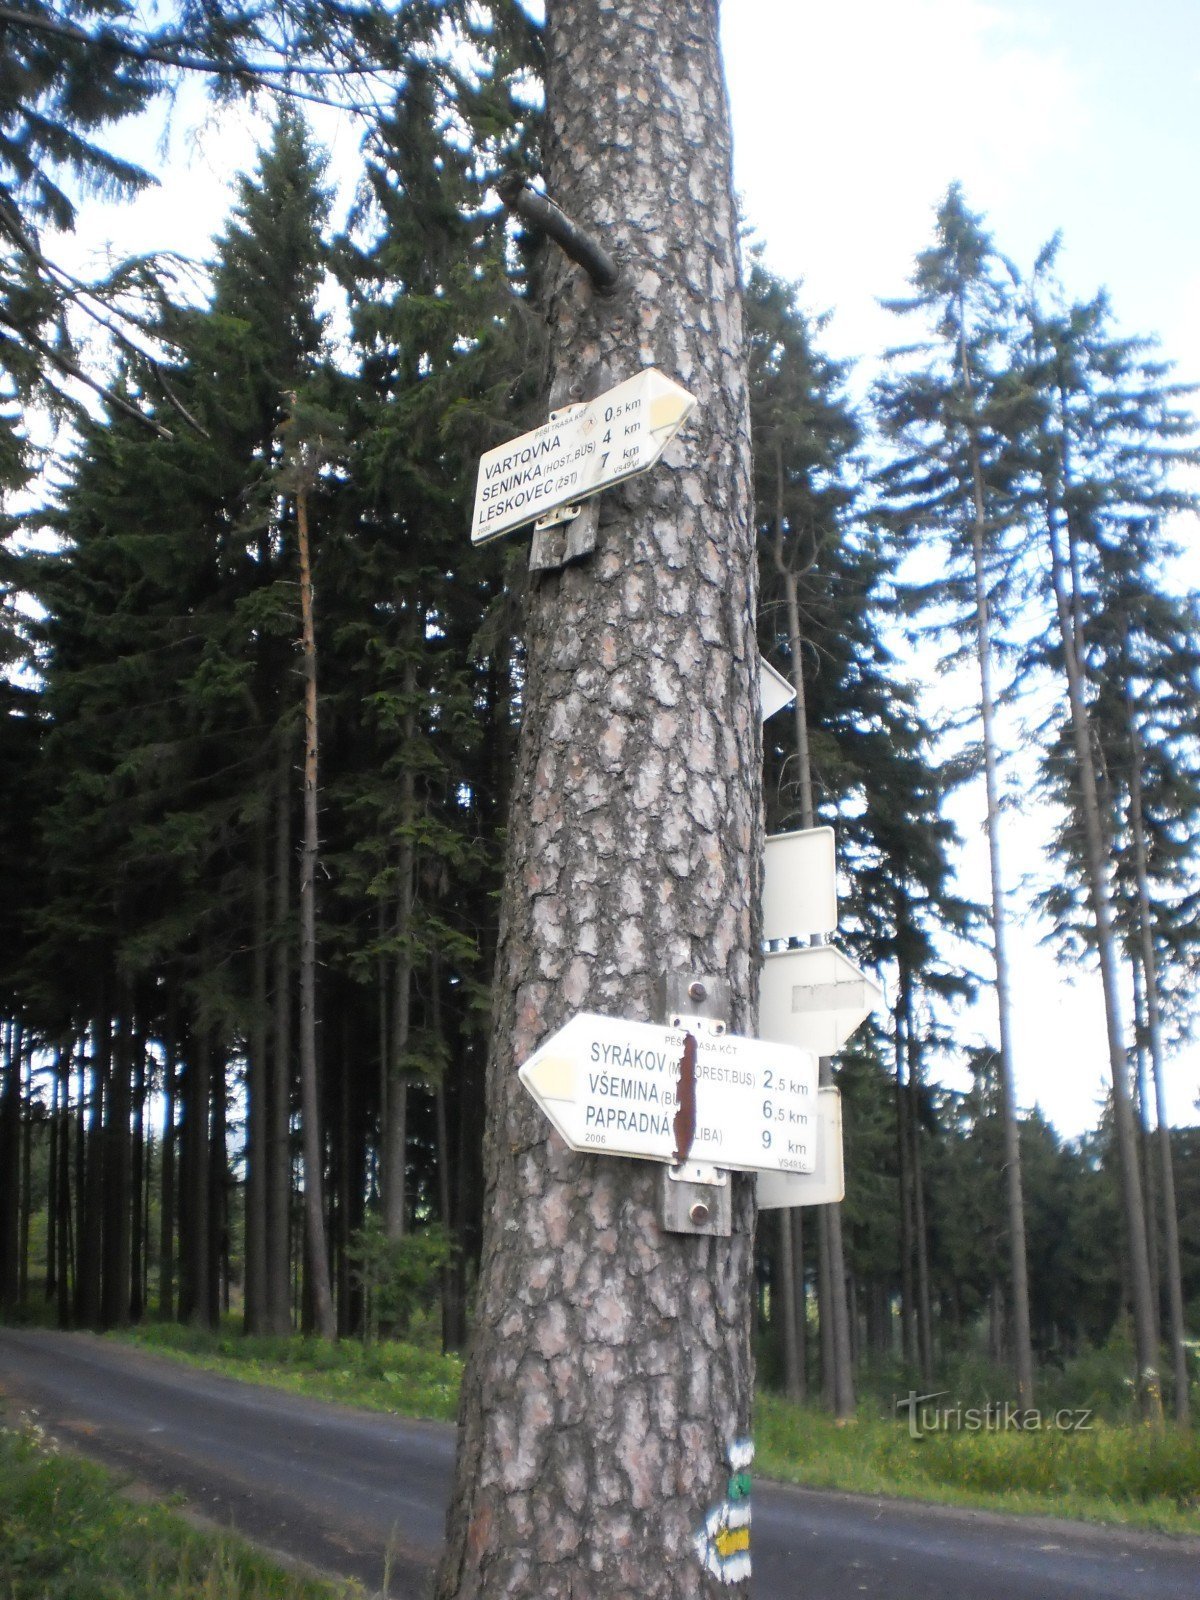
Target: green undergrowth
(1102, 1472)
(65, 1534)
(1106, 1471)
(405, 1379)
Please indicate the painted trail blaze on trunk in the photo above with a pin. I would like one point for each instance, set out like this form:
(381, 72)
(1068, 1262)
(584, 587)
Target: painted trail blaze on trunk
(684, 1126)
(611, 1364)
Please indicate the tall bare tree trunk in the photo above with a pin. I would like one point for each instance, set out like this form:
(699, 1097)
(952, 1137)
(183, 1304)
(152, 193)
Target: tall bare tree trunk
(1174, 1270)
(1017, 1254)
(310, 1098)
(166, 1236)
(257, 1091)
(908, 1303)
(1149, 1385)
(924, 1298)
(395, 1139)
(117, 1227)
(279, 1104)
(10, 1168)
(611, 1370)
(835, 1310)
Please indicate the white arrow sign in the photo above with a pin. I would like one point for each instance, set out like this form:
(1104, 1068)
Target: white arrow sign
(799, 884)
(588, 448)
(613, 1087)
(826, 1183)
(813, 998)
(774, 691)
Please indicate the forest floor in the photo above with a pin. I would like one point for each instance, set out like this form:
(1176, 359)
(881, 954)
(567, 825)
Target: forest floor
(1073, 1464)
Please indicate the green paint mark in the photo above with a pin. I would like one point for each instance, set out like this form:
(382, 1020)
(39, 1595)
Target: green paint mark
(739, 1486)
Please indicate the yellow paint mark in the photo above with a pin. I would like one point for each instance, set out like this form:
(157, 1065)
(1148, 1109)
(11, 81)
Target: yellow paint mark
(555, 1077)
(730, 1541)
(668, 409)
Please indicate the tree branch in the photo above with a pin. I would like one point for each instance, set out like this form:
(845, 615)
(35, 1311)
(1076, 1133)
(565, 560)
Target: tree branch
(541, 212)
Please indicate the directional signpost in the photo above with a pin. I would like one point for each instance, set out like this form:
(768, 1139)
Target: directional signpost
(813, 998)
(825, 1185)
(617, 1088)
(774, 691)
(579, 452)
(799, 884)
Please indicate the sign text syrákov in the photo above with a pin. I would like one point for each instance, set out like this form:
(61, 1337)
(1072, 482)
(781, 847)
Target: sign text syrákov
(589, 448)
(613, 1087)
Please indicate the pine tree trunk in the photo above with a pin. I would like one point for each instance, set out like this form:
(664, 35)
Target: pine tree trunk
(836, 1312)
(167, 1198)
(194, 1227)
(10, 1168)
(91, 1222)
(26, 1177)
(1148, 1382)
(924, 1299)
(1174, 1270)
(611, 1370)
(310, 1097)
(118, 1175)
(1017, 1253)
(67, 1257)
(793, 1371)
(137, 1178)
(55, 1154)
(1145, 1128)
(908, 1304)
(256, 1096)
(217, 1289)
(396, 1134)
(279, 1129)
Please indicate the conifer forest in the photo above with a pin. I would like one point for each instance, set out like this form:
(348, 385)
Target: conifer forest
(261, 699)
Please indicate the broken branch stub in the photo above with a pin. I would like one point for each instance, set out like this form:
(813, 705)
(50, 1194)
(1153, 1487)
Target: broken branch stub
(539, 211)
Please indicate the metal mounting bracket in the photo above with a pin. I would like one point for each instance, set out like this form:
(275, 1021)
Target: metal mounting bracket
(693, 1197)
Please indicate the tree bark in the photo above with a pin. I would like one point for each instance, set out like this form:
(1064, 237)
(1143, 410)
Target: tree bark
(611, 1370)
(194, 1188)
(10, 1167)
(310, 1098)
(1149, 960)
(26, 1177)
(279, 1129)
(395, 1141)
(256, 1096)
(166, 1234)
(91, 1222)
(835, 1315)
(924, 1298)
(1149, 1386)
(118, 1173)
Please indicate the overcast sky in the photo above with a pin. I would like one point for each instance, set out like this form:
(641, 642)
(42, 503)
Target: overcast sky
(850, 121)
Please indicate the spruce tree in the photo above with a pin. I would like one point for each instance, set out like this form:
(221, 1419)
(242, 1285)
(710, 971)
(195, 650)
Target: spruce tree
(1111, 430)
(949, 408)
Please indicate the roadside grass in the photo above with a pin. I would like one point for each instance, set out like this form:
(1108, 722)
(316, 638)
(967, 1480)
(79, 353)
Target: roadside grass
(66, 1533)
(1109, 1471)
(406, 1379)
(1105, 1472)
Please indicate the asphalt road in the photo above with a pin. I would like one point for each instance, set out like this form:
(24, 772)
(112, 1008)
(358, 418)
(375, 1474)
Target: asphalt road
(353, 1492)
